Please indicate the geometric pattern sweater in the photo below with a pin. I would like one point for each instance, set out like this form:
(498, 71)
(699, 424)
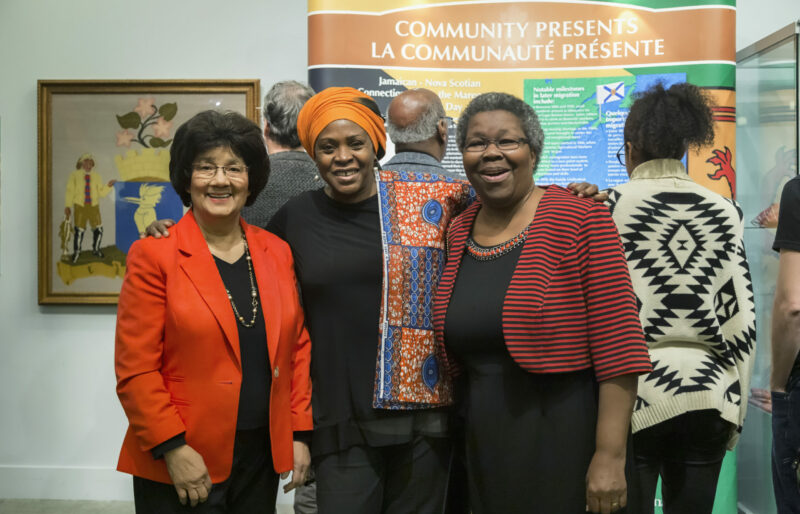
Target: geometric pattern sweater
(685, 251)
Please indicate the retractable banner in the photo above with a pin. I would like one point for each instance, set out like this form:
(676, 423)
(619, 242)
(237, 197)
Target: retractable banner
(577, 62)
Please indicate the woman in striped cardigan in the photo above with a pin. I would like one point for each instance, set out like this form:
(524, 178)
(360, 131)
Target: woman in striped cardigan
(535, 305)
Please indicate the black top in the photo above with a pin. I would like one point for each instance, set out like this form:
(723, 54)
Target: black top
(338, 258)
(474, 324)
(529, 437)
(256, 378)
(787, 236)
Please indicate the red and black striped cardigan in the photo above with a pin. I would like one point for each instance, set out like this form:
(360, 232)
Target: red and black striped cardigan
(570, 304)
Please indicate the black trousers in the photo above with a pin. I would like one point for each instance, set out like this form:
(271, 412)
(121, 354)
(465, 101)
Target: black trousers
(687, 452)
(786, 444)
(251, 487)
(397, 479)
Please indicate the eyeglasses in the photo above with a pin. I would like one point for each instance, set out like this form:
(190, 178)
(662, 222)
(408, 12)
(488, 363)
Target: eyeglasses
(504, 145)
(209, 171)
(621, 154)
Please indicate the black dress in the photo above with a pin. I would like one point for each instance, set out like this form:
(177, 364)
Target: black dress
(338, 258)
(529, 437)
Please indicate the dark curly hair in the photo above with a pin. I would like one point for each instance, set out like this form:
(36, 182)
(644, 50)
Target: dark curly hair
(664, 123)
(212, 129)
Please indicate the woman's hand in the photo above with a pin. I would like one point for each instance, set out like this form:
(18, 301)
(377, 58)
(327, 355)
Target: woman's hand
(587, 190)
(606, 490)
(158, 228)
(302, 460)
(189, 474)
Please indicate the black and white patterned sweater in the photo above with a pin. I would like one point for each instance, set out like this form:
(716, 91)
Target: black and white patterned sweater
(687, 261)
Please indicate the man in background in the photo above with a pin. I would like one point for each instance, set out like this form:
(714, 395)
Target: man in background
(785, 374)
(417, 125)
(293, 171)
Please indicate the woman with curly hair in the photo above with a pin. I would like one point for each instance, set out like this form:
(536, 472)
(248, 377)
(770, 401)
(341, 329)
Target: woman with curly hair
(686, 258)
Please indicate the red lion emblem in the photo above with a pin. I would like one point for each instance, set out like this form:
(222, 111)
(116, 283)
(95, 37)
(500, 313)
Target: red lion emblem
(723, 160)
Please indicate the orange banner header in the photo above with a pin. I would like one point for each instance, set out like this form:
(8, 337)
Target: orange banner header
(521, 36)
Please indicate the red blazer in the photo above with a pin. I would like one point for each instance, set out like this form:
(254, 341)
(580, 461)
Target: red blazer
(177, 354)
(570, 304)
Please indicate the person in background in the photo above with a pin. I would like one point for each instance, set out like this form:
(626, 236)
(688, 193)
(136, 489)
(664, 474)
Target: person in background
(417, 125)
(211, 353)
(535, 306)
(785, 374)
(293, 171)
(685, 251)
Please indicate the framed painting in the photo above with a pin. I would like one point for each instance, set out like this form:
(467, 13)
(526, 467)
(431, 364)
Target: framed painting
(104, 173)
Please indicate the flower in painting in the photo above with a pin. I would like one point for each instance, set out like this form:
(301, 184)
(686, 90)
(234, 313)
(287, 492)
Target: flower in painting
(161, 128)
(145, 107)
(124, 138)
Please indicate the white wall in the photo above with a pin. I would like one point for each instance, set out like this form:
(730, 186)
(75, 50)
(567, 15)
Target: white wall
(60, 422)
(758, 18)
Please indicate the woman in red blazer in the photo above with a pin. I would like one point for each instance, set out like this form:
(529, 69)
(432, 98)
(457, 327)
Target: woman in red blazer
(536, 306)
(212, 356)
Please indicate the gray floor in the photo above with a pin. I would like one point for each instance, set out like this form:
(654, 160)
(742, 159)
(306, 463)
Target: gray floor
(78, 507)
(64, 507)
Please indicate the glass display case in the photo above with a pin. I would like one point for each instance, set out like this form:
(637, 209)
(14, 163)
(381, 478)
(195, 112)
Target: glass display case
(766, 142)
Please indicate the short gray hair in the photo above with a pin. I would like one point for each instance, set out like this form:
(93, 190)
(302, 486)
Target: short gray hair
(503, 102)
(282, 103)
(421, 130)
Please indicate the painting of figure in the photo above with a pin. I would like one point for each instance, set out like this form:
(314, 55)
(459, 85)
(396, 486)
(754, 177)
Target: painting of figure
(104, 173)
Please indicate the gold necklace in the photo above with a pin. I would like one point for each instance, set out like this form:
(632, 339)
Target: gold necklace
(253, 290)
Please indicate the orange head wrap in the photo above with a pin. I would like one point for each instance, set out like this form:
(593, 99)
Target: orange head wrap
(338, 103)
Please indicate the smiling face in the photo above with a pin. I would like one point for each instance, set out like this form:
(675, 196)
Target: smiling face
(220, 197)
(87, 164)
(345, 158)
(502, 178)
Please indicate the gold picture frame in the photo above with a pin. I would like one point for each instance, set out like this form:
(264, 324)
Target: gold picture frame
(103, 172)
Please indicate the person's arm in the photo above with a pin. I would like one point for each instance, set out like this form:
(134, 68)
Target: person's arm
(68, 195)
(103, 189)
(606, 488)
(738, 326)
(618, 351)
(785, 329)
(300, 396)
(138, 352)
(785, 319)
(158, 228)
(588, 190)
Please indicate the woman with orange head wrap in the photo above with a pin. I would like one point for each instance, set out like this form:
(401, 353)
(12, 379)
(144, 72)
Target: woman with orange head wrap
(342, 129)
(368, 249)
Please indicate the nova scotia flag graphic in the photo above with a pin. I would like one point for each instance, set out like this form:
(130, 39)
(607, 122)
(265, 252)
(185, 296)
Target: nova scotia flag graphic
(613, 92)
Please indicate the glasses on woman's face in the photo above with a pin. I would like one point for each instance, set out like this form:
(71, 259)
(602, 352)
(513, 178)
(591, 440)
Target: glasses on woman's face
(208, 171)
(504, 144)
(621, 154)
